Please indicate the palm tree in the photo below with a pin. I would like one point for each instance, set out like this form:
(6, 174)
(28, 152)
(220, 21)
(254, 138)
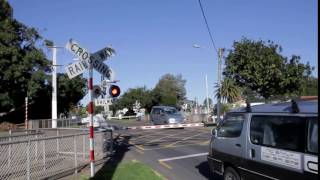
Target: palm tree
(230, 92)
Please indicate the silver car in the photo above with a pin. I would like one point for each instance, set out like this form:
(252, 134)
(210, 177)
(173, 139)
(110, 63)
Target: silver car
(165, 115)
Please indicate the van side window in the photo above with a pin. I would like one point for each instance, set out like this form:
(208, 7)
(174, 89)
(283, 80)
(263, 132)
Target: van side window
(313, 134)
(156, 111)
(231, 126)
(284, 132)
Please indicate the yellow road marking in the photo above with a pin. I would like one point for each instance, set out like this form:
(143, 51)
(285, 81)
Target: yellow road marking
(170, 145)
(205, 142)
(170, 135)
(137, 146)
(139, 151)
(165, 164)
(167, 146)
(139, 137)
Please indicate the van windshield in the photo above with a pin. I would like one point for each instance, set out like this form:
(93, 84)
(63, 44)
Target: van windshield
(171, 111)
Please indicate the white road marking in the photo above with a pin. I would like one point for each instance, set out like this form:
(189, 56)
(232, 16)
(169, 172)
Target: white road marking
(183, 157)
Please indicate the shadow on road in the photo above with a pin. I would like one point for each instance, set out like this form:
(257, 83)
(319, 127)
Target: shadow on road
(204, 170)
(121, 146)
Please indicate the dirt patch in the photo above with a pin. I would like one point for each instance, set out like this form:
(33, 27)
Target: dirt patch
(5, 126)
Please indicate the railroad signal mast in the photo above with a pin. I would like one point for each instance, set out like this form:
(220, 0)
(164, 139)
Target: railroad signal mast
(90, 61)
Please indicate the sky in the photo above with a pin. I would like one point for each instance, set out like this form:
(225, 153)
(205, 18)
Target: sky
(153, 38)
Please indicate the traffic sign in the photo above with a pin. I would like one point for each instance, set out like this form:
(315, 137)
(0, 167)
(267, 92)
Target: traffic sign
(86, 58)
(75, 48)
(102, 102)
(76, 68)
(99, 66)
(103, 54)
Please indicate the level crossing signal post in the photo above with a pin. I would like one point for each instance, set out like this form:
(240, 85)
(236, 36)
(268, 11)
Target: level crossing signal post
(90, 61)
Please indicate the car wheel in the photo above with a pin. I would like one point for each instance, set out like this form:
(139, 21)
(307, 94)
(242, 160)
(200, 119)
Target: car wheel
(230, 174)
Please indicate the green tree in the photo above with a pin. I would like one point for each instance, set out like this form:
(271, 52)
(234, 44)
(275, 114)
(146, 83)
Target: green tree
(170, 90)
(140, 94)
(259, 66)
(230, 92)
(70, 92)
(22, 64)
(25, 72)
(224, 108)
(310, 87)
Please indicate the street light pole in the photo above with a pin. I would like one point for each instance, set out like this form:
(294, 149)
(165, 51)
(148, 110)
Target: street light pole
(220, 53)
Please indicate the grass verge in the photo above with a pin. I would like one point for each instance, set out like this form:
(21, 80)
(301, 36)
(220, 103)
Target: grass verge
(133, 170)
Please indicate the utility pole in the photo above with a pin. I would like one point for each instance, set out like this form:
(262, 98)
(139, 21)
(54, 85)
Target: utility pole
(220, 52)
(208, 108)
(54, 112)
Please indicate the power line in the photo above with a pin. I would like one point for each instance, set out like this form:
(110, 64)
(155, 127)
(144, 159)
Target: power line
(208, 29)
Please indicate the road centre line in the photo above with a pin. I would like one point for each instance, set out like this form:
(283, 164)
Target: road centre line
(183, 157)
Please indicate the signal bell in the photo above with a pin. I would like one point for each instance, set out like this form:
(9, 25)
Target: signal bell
(114, 91)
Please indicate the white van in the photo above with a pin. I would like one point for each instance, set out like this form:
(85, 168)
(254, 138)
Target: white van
(271, 141)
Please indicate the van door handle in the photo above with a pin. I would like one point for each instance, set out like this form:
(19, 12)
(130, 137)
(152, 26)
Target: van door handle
(238, 145)
(252, 153)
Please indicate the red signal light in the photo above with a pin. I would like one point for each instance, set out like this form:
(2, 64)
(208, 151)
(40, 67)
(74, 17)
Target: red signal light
(114, 91)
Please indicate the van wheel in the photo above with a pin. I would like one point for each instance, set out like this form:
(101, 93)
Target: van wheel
(230, 174)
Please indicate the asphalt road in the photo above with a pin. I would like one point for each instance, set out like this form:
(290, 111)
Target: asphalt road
(174, 153)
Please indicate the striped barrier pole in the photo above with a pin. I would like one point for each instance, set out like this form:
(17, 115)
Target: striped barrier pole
(90, 111)
(167, 126)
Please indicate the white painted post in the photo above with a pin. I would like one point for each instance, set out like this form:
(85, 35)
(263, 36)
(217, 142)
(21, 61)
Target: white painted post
(54, 112)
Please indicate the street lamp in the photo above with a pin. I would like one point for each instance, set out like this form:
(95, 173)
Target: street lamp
(220, 52)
